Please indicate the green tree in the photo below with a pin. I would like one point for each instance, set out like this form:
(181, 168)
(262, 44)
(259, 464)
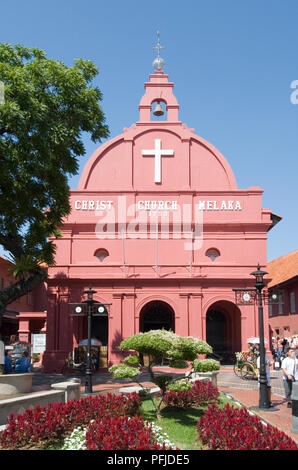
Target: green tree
(181, 351)
(47, 107)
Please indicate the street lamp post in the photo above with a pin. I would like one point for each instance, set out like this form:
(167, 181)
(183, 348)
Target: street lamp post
(263, 398)
(90, 308)
(249, 297)
(90, 302)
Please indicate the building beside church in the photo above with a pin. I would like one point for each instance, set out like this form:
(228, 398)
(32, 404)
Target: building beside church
(283, 317)
(161, 231)
(27, 314)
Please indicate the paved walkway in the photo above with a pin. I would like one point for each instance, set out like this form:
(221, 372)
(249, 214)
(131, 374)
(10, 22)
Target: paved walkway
(227, 378)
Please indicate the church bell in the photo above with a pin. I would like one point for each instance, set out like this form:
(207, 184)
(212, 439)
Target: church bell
(158, 110)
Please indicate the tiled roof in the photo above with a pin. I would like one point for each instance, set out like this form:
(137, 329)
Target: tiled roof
(282, 269)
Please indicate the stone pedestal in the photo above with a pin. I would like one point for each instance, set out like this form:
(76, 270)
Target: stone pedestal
(210, 376)
(72, 389)
(14, 384)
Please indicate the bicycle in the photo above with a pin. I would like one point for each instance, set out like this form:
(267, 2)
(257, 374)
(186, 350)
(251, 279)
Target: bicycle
(245, 366)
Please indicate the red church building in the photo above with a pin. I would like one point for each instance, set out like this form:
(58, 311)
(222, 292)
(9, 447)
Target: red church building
(162, 232)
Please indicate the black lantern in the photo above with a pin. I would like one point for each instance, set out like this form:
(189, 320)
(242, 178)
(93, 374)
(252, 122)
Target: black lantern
(259, 275)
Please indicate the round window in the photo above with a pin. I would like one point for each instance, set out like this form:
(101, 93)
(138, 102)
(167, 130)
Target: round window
(212, 253)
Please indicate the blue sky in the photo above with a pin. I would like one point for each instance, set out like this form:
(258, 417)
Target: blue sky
(232, 62)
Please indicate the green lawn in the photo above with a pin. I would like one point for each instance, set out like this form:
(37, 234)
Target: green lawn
(180, 425)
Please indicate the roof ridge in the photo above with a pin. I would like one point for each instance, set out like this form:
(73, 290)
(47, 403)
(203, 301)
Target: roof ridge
(283, 256)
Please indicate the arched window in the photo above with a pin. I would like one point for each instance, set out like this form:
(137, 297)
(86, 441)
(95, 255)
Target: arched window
(101, 254)
(212, 253)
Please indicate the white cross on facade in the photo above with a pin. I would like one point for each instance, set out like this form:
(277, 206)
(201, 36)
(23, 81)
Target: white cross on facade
(157, 153)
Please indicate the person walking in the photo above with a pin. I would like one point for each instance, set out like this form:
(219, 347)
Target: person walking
(290, 373)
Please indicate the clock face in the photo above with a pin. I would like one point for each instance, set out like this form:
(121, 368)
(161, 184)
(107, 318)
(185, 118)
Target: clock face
(246, 297)
(101, 309)
(78, 309)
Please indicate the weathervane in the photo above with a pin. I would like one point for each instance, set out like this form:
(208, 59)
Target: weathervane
(158, 63)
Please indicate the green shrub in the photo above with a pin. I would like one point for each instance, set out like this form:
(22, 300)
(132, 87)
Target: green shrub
(122, 371)
(206, 365)
(182, 385)
(132, 360)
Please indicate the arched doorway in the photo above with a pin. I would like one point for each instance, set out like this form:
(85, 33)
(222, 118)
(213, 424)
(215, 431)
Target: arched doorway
(99, 329)
(157, 315)
(216, 330)
(223, 330)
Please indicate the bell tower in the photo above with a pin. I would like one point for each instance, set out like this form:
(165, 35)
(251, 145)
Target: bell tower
(158, 90)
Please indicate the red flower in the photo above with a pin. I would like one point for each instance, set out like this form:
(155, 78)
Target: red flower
(58, 419)
(234, 428)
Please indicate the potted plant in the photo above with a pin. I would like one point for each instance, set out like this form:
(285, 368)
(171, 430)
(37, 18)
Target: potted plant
(206, 368)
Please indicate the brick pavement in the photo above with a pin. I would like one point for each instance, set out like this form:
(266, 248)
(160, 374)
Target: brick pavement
(227, 378)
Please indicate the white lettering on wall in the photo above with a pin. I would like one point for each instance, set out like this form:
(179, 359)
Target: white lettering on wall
(219, 206)
(103, 205)
(92, 205)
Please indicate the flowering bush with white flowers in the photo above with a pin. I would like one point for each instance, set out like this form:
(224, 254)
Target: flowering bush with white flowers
(161, 436)
(76, 441)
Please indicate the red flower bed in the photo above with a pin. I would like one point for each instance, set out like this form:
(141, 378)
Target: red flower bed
(200, 394)
(204, 393)
(235, 429)
(58, 419)
(120, 433)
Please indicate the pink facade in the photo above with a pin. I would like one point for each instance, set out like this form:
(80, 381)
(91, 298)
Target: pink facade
(158, 177)
(26, 315)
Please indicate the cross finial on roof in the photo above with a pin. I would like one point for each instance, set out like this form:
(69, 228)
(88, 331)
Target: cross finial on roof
(158, 47)
(158, 63)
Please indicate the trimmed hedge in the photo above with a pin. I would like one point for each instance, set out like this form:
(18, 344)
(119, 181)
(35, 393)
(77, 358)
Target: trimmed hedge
(206, 365)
